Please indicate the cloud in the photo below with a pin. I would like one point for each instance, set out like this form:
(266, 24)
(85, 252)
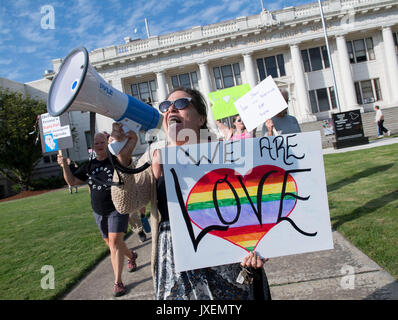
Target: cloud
(189, 5)
(5, 61)
(12, 72)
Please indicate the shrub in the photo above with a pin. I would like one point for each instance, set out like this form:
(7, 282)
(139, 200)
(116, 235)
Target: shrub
(48, 183)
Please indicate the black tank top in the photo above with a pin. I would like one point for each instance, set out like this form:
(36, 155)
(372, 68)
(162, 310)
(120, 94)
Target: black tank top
(162, 199)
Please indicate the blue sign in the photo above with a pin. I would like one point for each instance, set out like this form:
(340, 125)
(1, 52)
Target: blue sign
(50, 143)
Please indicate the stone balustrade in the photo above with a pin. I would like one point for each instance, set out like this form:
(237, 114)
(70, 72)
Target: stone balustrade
(241, 25)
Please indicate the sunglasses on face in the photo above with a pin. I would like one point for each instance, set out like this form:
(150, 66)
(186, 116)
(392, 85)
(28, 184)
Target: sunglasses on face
(179, 104)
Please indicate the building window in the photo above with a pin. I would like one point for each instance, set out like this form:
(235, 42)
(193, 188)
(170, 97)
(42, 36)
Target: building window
(361, 50)
(52, 158)
(315, 59)
(395, 36)
(368, 91)
(89, 144)
(186, 80)
(322, 99)
(145, 91)
(227, 76)
(274, 66)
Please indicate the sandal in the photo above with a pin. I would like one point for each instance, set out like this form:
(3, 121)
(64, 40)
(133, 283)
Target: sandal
(132, 266)
(119, 289)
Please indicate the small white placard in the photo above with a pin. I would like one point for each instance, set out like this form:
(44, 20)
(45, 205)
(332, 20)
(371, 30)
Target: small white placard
(50, 124)
(61, 132)
(261, 103)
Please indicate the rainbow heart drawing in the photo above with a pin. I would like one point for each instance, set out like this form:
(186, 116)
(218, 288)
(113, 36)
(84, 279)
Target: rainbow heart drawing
(223, 197)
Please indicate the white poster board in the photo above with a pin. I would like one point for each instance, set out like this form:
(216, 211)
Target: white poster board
(228, 198)
(261, 103)
(49, 123)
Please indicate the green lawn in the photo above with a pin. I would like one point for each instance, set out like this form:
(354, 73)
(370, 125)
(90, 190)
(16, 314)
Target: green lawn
(363, 201)
(54, 228)
(58, 229)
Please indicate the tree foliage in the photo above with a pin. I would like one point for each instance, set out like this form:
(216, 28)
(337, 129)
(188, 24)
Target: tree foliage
(20, 149)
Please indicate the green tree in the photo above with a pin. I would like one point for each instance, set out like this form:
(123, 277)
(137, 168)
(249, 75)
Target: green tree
(19, 149)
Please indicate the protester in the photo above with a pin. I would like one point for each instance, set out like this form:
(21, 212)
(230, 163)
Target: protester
(184, 109)
(379, 119)
(282, 123)
(73, 167)
(112, 225)
(238, 130)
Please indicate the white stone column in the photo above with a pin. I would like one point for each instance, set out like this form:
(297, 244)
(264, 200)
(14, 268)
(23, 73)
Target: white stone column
(391, 62)
(302, 100)
(249, 69)
(205, 77)
(350, 98)
(205, 89)
(162, 87)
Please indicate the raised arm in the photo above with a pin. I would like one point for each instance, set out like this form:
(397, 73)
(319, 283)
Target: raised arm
(226, 131)
(136, 189)
(68, 176)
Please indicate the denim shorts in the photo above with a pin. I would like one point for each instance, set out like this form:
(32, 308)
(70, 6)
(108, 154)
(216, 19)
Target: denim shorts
(113, 222)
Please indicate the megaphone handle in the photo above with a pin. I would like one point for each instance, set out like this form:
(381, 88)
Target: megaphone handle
(116, 146)
(128, 125)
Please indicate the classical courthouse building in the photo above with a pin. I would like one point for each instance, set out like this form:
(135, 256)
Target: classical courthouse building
(288, 44)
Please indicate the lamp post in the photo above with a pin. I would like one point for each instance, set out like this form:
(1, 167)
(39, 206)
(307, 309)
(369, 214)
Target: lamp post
(330, 58)
(147, 28)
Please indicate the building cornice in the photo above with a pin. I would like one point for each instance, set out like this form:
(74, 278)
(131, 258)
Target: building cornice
(264, 25)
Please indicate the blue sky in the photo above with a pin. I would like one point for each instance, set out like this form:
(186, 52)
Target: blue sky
(27, 49)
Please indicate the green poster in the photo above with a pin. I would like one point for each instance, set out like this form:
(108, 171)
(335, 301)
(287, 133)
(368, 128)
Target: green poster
(222, 101)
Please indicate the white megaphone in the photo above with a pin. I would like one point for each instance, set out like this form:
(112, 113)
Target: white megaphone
(78, 87)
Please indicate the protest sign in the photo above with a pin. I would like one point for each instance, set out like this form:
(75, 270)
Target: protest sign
(228, 198)
(55, 132)
(261, 103)
(222, 101)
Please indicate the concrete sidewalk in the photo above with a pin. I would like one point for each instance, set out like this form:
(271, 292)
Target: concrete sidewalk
(342, 273)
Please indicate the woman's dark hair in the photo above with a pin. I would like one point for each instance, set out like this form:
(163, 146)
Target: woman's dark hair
(198, 101)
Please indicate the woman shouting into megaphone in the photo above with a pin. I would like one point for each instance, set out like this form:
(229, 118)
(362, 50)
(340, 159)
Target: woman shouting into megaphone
(184, 109)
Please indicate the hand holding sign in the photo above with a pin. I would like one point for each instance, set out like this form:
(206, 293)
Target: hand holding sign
(261, 103)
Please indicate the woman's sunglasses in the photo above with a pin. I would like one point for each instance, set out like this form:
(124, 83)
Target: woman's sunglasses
(179, 104)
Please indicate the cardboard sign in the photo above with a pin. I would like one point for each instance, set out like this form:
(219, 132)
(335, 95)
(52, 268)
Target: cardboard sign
(222, 101)
(261, 103)
(228, 198)
(55, 132)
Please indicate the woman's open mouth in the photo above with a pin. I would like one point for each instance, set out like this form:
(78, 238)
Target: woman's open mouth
(173, 120)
